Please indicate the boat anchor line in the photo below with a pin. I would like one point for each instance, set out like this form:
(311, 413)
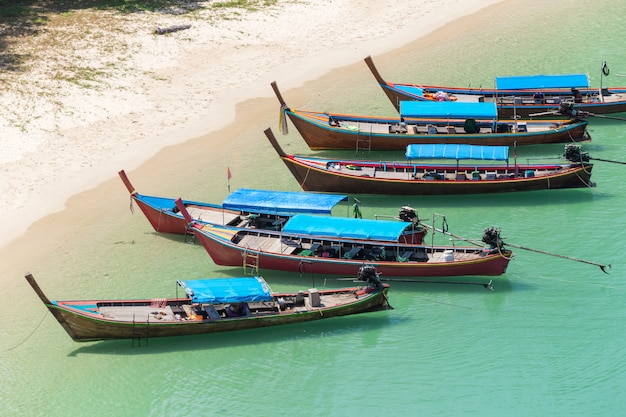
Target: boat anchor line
(31, 333)
(589, 184)
(131, 206)
(305, 177)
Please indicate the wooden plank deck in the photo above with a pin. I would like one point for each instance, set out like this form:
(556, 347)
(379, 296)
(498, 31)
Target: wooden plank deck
(212, 216)
(138, 313)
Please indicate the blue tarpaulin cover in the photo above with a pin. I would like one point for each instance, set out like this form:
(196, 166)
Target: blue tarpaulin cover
(530, 82)
(448, 109)
(410, 89)
(165, 203)
(454, 151)
(227, 290)
(284, 203)
(349, 228)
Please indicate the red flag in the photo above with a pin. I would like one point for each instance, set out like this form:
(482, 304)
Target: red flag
(229, 174)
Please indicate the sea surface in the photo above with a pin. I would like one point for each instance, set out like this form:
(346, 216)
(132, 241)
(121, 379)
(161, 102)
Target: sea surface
(549, 340)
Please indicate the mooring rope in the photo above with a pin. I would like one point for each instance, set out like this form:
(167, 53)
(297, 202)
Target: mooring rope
(282, 120)
(588, 184)
(305, 177)
(31, 333)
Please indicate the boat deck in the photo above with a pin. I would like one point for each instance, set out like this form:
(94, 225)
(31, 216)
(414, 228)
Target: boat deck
(138, 313)
(234, 219)
(319, 248)
(213, 216)
(184, 312)
(404, 171)
(380, 128)
(268, 244)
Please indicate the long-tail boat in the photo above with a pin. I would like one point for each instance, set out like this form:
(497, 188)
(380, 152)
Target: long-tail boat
(254, 209)
(427, 123)
(342, 250)
(408, 178)
(211, 306)
(242, 208)
(518, 96)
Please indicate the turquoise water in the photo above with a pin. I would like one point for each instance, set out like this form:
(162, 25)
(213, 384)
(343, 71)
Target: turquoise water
(549, 340)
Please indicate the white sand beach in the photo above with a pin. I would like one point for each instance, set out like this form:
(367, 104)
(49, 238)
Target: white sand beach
(111, 93)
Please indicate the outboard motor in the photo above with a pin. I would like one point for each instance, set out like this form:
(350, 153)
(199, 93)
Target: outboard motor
(573, 153)
(566, 108)
(368, 274)
(408, 214)
(491, 237)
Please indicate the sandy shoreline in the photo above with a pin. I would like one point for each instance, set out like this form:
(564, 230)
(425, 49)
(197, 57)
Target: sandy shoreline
(62, 137)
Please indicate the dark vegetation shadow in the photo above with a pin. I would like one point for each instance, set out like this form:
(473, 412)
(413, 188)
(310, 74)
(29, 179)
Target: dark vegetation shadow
(20, 19)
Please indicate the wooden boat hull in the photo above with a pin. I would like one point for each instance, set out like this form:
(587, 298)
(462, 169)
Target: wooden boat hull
(322, 180)
(84, 326)
(528, 110)
(318, 134)
(396, 95)
(244, 208)
(224, 252)
(314, 174)
(91, 329)
(614, 100)
(165, 220)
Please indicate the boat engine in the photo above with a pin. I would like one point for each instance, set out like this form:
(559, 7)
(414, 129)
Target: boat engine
(566, 108)
(491, 237)
(573, 153)
(408, 214)
(368, 274)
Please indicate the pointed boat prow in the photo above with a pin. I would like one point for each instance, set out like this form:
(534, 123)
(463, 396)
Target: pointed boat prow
(372, 67)
(183, 210)
(383, 84)
(270, 135)
(57, 313)
(278, 95)
(31, 280)
(127, 183)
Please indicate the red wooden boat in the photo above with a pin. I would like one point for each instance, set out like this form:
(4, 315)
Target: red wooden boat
(242, 208)
(254, 209)
(405, 178)
(427, 123)
(293, 249)
(520, 96)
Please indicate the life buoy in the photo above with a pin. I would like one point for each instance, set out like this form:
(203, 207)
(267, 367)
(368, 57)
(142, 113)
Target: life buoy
(605, 70)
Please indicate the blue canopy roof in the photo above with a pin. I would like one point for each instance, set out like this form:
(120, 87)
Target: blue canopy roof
(448, 109)
(349, 228)
(454, 151)
(410, 89)
(283, 203)
(530, 82)
(227, 290)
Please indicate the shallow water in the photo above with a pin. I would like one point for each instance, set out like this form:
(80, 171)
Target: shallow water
(547, 341)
